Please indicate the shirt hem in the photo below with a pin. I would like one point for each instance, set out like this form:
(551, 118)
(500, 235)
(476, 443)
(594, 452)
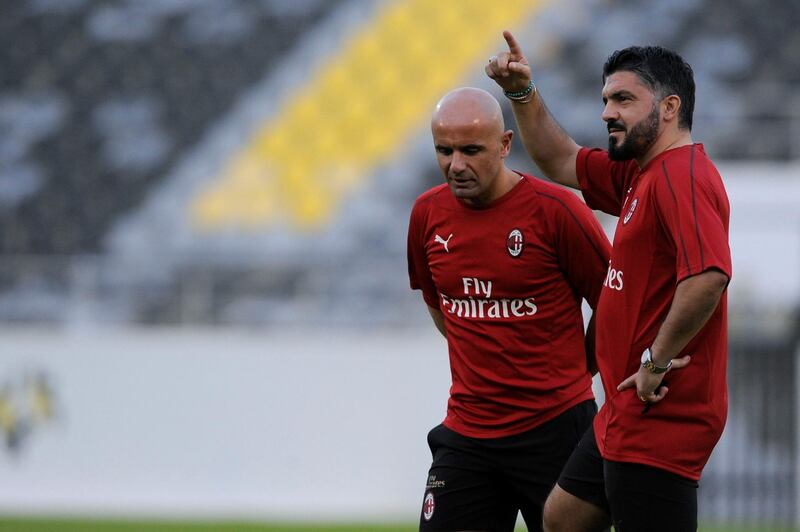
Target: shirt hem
(518, 427)
(685, 274)
(672, 468)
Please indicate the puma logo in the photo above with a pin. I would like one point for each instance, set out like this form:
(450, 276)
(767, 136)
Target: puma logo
(443, 242)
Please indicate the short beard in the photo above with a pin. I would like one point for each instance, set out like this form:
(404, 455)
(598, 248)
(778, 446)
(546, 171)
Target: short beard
(638, 140)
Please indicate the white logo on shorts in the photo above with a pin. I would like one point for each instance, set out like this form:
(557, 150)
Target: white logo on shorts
(428, 506)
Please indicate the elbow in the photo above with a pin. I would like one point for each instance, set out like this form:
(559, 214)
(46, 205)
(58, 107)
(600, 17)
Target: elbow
(717, 282)
(714, 285)
(705, 288)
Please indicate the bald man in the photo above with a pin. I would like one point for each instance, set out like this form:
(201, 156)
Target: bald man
(503, 261)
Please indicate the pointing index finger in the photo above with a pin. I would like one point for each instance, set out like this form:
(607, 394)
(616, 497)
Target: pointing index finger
(513, 45)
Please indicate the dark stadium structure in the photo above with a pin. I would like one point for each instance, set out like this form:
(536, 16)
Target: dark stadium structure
(105, 97)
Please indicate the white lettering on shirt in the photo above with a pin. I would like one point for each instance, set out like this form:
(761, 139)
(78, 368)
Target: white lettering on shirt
(476, 287)
(471, 307)
(478, 302)
(613, 278)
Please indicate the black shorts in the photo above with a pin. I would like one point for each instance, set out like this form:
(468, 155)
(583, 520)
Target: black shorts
(482, 484)
(636, 496)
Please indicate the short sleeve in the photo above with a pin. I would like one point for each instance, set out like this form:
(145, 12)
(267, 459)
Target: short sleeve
(603, 181)
(582, 247)
(419, 272)
(694, 211)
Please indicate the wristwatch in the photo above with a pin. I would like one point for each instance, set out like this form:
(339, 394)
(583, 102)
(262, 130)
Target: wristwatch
(652, 367)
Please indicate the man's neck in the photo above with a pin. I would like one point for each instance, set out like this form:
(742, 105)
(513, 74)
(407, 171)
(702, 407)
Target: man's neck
(679, 138)
(507, 180)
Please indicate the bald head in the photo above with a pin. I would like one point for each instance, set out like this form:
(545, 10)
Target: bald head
(468, 106)
(471, 145)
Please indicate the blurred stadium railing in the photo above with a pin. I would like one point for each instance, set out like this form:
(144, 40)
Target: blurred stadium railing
(253, 163)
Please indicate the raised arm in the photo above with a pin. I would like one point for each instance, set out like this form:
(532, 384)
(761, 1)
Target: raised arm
(545, 141)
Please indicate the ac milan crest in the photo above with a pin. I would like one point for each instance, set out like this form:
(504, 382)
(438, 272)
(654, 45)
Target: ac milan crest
(428, 506)
(628, 215)
(514, 243)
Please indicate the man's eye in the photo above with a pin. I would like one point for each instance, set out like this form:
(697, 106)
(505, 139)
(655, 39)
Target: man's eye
(444, 151)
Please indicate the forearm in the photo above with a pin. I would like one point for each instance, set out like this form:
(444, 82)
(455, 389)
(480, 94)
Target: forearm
(546, 142)
(695, 300)
(438, 320)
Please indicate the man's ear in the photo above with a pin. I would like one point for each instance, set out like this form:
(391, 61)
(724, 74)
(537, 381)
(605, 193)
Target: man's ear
(506, 141)
(670, 107)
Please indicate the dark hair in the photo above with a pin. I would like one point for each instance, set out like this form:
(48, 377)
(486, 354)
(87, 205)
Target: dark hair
(663, 71)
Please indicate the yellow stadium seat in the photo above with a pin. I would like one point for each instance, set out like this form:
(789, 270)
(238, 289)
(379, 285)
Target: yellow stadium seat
(354, 113)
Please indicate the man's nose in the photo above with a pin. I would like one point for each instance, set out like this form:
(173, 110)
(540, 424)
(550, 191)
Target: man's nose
(457, 163)
(609, 113)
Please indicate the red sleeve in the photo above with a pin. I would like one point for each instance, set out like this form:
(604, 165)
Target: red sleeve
(582, 247)
(693, 210)
(418, 271)
(602, 180)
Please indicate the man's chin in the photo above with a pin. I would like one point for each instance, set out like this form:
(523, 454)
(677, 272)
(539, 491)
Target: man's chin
(617, 152)
(463, 192)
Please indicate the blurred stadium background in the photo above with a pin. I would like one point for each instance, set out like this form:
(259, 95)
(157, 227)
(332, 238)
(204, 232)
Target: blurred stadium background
(204, 306)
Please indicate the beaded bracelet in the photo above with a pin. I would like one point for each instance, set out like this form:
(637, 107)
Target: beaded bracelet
(523, 96)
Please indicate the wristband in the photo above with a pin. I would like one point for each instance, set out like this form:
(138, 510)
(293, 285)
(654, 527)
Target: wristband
(523, 96)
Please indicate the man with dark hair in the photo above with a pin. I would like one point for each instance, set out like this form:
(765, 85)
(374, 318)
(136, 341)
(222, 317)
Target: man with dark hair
(503, 261)
(663, 71)
(663, 299)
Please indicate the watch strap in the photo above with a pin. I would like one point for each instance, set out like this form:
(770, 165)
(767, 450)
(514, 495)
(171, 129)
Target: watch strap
(652, 367)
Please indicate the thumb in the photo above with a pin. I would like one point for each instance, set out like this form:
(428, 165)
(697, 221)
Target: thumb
(630, 382)
(519, 67)
(678, 363)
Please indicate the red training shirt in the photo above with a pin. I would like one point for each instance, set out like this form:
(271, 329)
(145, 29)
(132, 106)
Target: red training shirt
(673, 223)
(509, 279)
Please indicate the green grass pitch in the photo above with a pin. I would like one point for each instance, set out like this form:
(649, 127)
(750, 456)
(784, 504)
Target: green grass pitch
(25, 524)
